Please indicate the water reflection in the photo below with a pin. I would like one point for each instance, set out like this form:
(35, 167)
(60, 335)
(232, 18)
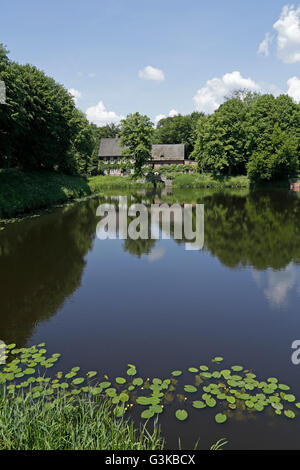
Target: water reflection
(42, 260)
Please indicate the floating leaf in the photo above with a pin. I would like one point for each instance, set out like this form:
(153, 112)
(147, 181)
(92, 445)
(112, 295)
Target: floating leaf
(190, 389)
(176, 373)
(220, 418)
(199, 404)
(181, 415)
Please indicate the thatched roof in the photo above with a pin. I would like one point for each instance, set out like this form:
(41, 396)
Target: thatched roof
(168, 152)
(110, 148)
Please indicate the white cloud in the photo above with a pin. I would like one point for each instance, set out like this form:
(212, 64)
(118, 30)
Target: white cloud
(156, 254)
(288, 34)
(294, 89)
(151, 73)
(91, 75)
(76, 94)
(100, 116)
(210, 97)
(172, 113)
(265, 44)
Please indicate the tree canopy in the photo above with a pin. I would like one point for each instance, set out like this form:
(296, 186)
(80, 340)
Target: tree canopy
(136, 139)
(251, 133)
(40, 127)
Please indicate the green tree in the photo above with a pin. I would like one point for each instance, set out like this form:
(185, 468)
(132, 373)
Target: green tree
(178, 130)
(276, 157)
(40, 127)
(221, 139)
(136, 140)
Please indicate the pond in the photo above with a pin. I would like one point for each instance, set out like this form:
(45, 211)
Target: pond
(104, 304)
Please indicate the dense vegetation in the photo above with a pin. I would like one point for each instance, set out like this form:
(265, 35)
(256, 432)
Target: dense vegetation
(252, 134)
(41, 129)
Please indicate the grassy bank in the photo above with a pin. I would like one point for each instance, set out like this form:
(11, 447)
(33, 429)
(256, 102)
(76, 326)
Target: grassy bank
(24, 192)
(208, 181)
(62, 424)
(98, 183)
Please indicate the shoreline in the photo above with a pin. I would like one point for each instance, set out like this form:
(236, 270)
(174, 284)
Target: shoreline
(31, 194)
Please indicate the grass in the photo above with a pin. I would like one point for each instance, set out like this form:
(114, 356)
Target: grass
(208, 181)
(63, 424)
(97, 183)
(73, 424)
(22, 192)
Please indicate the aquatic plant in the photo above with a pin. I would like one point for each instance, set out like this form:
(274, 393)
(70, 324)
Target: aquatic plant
(225, 391)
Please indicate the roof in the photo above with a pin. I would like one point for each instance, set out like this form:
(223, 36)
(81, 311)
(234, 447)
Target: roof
(110, 148)
(168, 152)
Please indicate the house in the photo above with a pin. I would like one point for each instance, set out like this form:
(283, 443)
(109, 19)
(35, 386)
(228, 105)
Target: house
(171, 154)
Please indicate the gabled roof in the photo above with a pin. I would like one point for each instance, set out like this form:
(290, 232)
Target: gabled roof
(110, 148)
(168, 152)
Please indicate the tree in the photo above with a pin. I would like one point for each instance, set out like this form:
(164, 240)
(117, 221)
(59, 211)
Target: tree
(221, 138)
(136, 140)
(40, 127)
(276, 157)
(178, 130)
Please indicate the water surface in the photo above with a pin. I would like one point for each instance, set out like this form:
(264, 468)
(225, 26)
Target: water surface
(104, 304)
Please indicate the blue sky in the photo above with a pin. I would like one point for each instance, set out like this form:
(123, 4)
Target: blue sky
(98, 47)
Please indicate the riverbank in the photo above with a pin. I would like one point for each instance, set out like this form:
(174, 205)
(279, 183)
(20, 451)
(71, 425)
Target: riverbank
(31, 191)
(25, 192)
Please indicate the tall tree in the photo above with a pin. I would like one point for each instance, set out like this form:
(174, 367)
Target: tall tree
(178, 130)
(136, 139)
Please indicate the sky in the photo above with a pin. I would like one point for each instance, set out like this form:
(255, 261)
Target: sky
(159, 58)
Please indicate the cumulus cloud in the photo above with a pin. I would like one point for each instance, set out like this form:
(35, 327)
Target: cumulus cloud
(294, 89)
(265, 44)
(172, 113)
(210, 97)
(151, 73)
(100, 116)
(288, 34)
(76, 94)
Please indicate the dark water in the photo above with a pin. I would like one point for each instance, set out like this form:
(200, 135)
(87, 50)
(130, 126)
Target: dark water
(104, 304)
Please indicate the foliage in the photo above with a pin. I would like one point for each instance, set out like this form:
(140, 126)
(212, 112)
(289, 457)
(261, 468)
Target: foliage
(253, 133)
(209, 181)
(178, 130)
(136, 140)
(28, 191)
(40, 127)
(28, 395)
(276, 157)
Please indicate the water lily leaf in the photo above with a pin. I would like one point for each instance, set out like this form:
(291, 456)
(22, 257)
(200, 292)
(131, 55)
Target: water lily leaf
(176, 373)
(120, 380)
(220, 418)
(190, 389)
(147, 414)
(193, 370)
(91, 374)
(182, 415)
(78, 381)
(199, 404)
(289, 414)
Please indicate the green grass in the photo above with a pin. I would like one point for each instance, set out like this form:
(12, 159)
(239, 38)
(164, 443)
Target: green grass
(22, 192)
(97, 183)
(63, 424)
(208, 181)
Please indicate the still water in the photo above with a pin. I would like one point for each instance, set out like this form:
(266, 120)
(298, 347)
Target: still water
(152, 303)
